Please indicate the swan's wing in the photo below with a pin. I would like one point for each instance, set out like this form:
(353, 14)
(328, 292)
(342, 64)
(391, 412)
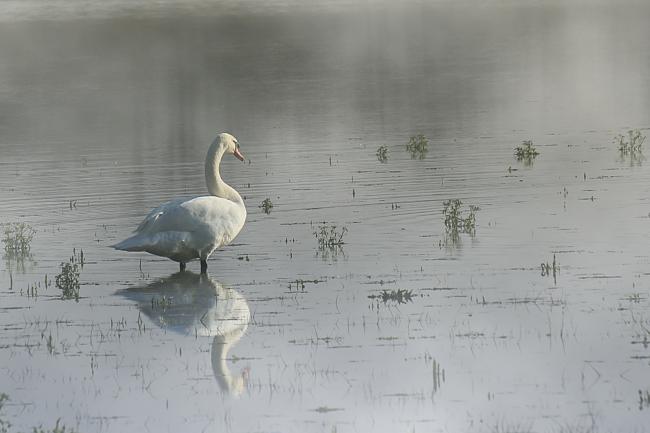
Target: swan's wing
(205, 214)
(149, 221)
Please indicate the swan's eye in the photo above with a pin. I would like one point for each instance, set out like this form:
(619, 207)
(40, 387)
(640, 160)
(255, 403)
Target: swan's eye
(236, 145)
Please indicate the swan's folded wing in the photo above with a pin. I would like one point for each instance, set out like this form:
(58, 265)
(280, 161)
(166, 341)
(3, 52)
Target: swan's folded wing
(166, 211)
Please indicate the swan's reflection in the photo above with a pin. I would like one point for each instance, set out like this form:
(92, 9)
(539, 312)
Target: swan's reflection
(197, 304)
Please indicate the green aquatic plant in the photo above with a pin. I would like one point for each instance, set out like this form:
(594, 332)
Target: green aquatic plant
(382, 154)
(549, 269)
(457, 222)
(57, 429)
(633, 143)
(330, 241)
(526, 153)
(418, 146)
(17, 239)
(329, 236)
(4, 424)
(68, 279)
(266, 205)
(400, 296)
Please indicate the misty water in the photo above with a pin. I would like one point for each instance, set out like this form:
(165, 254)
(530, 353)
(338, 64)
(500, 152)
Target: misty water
(107, 110)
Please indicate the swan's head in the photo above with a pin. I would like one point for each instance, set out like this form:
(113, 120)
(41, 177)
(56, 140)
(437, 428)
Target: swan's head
(229, 144)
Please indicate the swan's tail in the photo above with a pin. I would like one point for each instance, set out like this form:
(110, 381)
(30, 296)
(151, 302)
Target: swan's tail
(134, 243)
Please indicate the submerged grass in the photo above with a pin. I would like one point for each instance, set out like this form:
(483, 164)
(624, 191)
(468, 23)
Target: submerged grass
(418, 146)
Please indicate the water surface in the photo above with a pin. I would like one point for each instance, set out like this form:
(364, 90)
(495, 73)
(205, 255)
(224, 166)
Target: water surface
(106, 114)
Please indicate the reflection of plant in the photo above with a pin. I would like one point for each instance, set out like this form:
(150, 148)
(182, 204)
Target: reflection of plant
(382, 154)
(526, 152)
(418, 146)
(267, 205)
(457, 223)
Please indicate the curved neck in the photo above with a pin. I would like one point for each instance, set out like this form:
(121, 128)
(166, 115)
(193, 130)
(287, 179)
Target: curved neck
(216, 185)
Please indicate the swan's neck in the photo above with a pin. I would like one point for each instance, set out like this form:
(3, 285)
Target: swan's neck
(216, 185)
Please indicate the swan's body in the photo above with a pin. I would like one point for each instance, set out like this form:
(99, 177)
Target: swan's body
(187, 229)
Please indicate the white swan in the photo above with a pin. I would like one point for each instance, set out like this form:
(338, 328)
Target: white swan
(187, 229)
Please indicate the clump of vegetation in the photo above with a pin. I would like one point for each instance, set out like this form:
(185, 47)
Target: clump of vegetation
(526, 152)
(400, 296)
(4, 424)
(418, 146)
(17, 239)
(631, 145)
(644, 399)
(68, 280)
(382, 154)
(457, 222)
(57, 429)
(551, 269)
(266, 205)
(330, 241)
(329, 236)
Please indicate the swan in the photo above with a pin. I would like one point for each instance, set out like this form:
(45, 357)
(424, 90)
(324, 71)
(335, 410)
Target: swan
(198, 305)
(187, 229)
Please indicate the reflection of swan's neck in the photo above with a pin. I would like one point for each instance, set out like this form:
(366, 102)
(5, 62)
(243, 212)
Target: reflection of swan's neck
(227, 382)
(216, 185)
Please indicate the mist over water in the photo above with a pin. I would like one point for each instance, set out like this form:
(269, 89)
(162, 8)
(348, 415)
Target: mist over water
(107, 110)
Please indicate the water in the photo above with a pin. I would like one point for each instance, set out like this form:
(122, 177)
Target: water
(107, 111)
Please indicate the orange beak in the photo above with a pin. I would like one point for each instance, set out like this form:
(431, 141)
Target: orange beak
(238, 155)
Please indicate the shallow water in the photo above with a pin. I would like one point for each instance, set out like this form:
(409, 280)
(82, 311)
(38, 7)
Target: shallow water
(107, 114)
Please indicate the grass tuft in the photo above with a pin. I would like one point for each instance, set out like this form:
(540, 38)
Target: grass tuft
(526, 153)
(382, 154)
(266, 205)
(418, 146)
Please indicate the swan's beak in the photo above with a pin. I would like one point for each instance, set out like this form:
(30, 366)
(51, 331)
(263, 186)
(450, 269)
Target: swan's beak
(238, 155)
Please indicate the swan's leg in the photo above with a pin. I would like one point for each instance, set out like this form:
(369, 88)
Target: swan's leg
(204, 266)
(183, 265)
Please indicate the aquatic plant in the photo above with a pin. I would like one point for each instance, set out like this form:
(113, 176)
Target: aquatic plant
(633, 143)
(17, 239)
(551, 269)
(57, 429)
(526, 153)
(329, 236)
(644, 399)
(418, 146)
(68, 279)
(457, 222)
(266, 205)
(400, 296)
(382, 154)
(4, 424)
